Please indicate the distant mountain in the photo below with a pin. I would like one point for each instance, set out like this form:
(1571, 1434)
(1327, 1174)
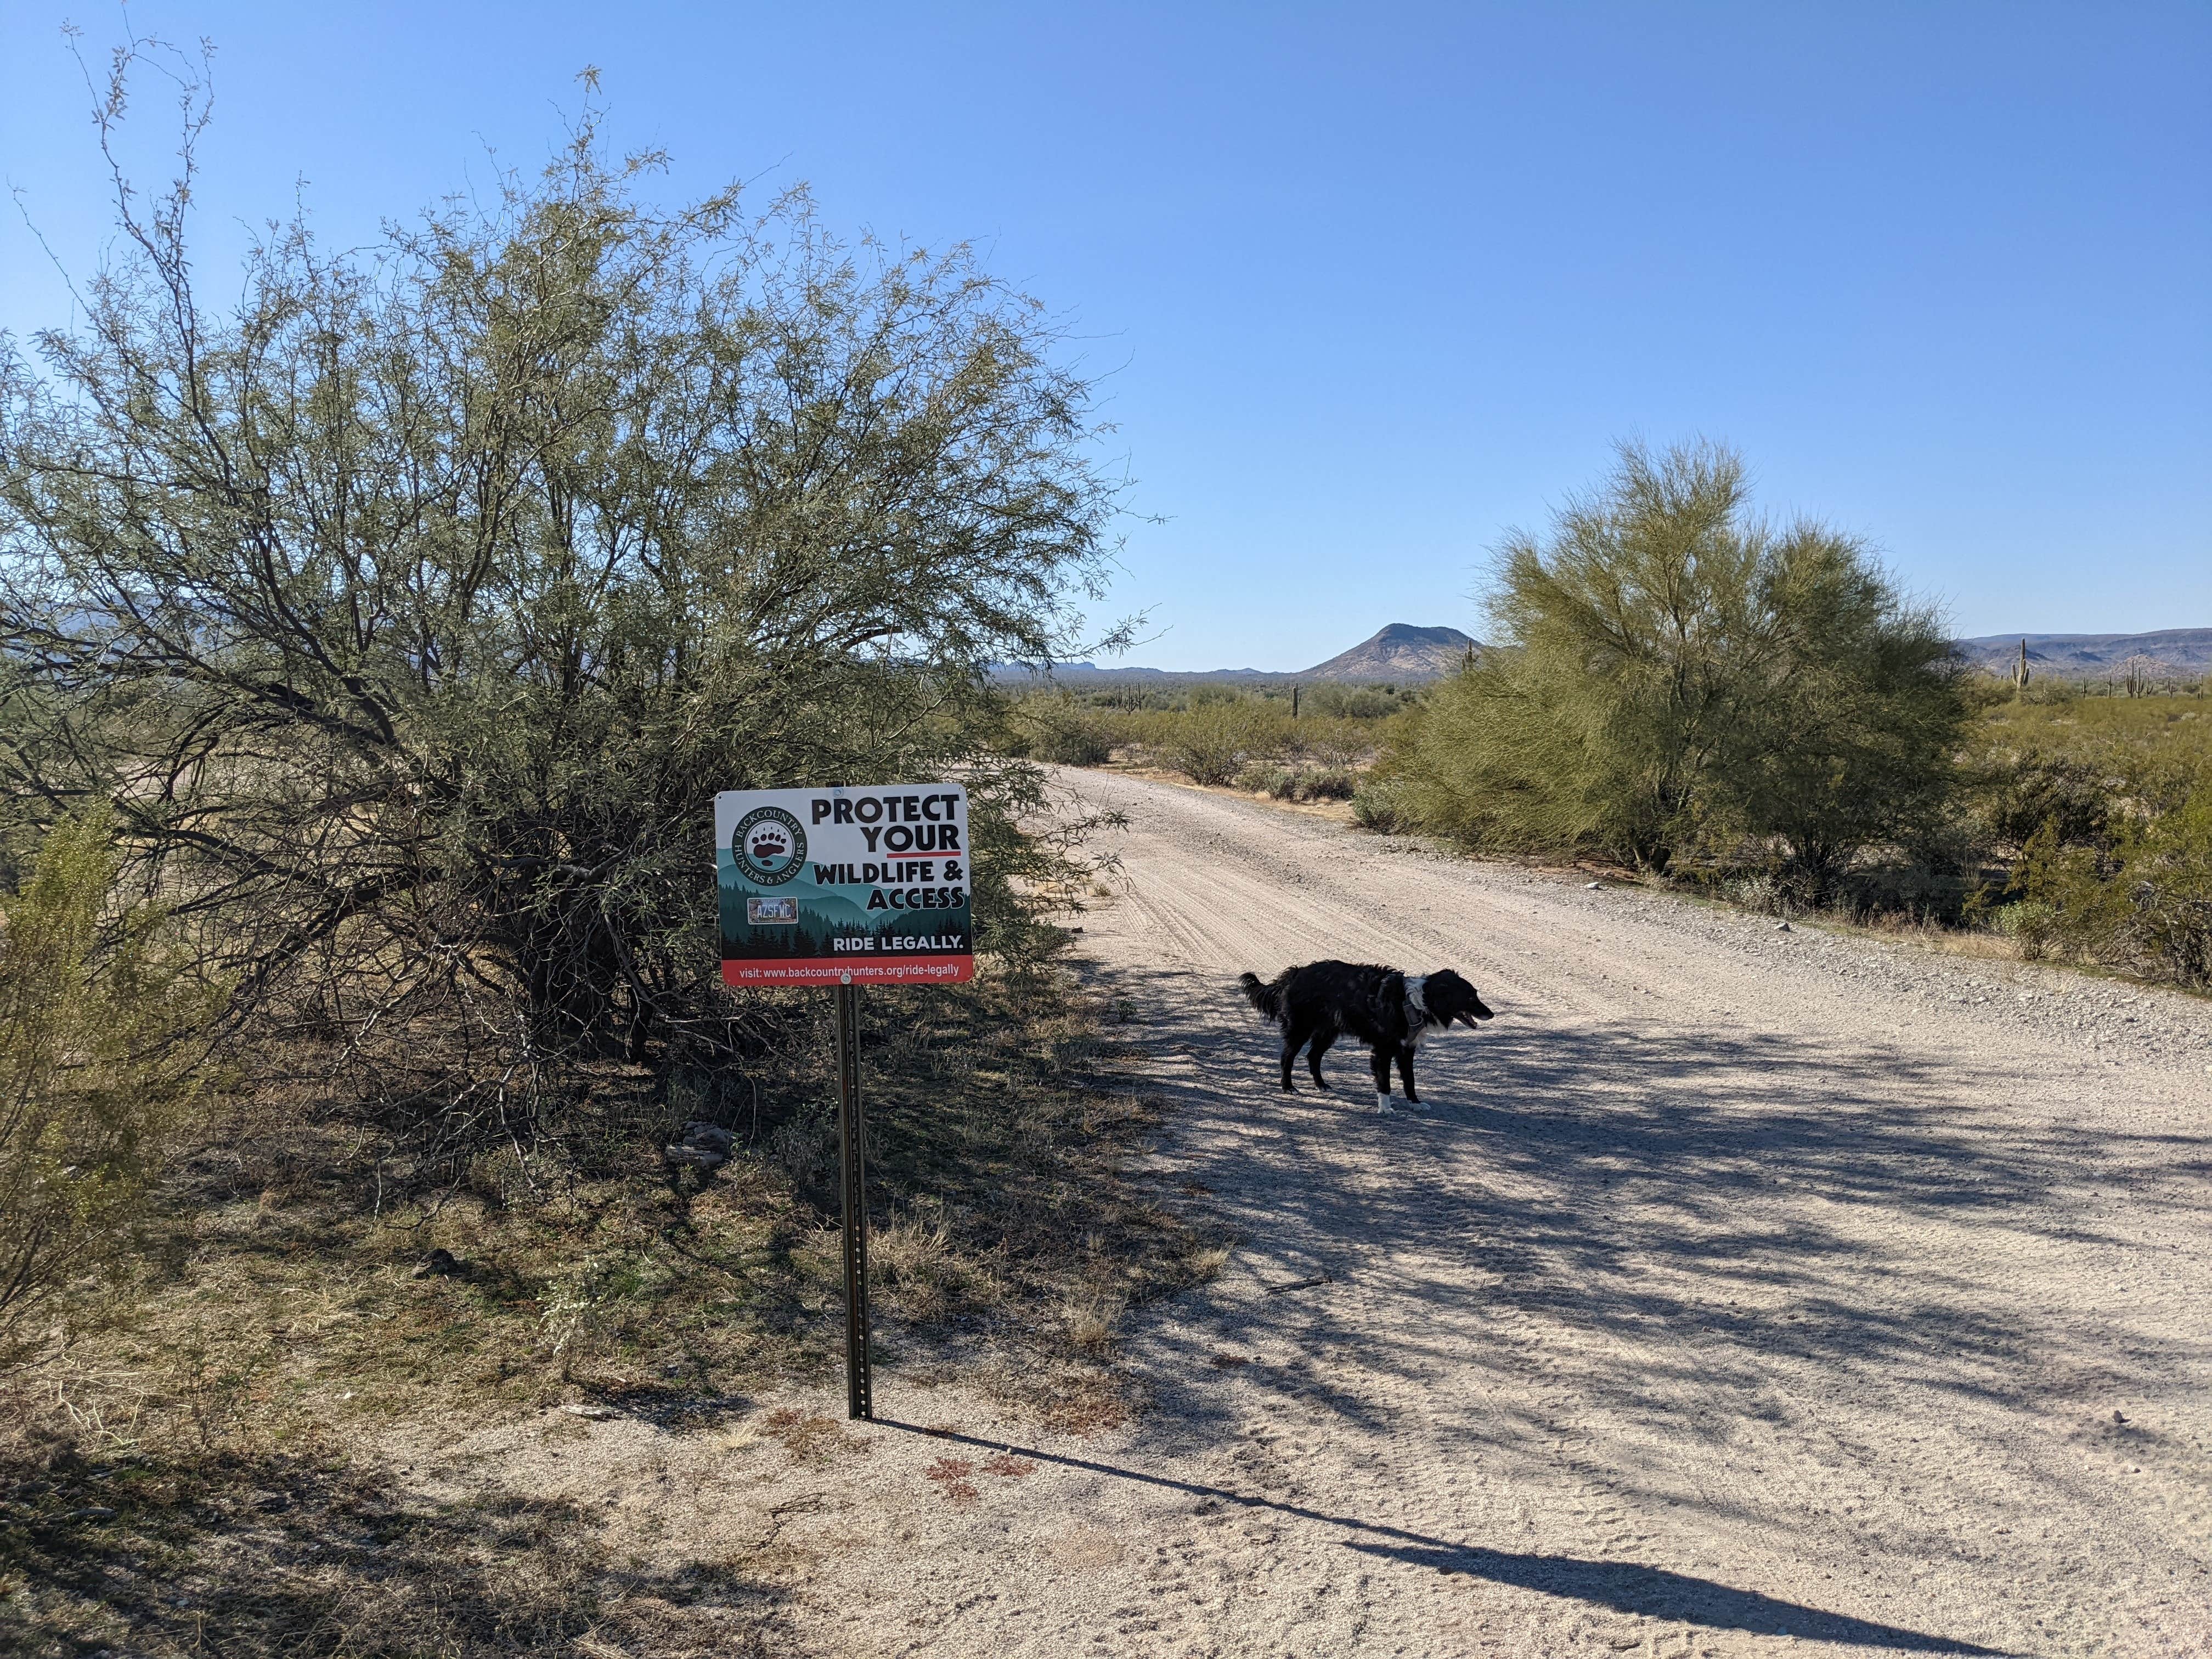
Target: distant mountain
(2075, 656)
(1090, 673)
(1400, 652)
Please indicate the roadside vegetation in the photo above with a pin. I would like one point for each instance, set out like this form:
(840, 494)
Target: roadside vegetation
(1759, 712)
(2104, 806)
(1753, 711)
(1308, 742)
(374, 636)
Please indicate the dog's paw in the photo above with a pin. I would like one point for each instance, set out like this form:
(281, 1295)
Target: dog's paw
(1382, 1106)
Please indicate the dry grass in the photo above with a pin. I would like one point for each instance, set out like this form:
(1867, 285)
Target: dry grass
(1205, 1263)
(923, 1276)
(279, 1339)
(1090, 1325)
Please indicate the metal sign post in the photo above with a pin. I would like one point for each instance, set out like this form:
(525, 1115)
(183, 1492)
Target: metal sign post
(844, 886)
(850, 1134)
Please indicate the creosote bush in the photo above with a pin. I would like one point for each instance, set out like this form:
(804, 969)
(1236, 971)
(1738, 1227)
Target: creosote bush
(1059, 732)
(1379, 803)
(2097, 809)
(2019, 795)
(1214, 741)
(2143, 904)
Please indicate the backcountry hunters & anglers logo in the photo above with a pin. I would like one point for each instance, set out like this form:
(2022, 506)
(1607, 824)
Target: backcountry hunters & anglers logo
(770, 846)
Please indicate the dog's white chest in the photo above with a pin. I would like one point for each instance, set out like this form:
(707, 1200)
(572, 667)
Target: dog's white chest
(1417, 1011)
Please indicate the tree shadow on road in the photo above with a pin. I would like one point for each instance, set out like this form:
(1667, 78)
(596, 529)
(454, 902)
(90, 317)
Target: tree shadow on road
(1714, 1199)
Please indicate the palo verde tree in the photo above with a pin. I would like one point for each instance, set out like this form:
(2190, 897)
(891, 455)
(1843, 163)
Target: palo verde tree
(1670, 669)
(411, 609)
(1850, 740)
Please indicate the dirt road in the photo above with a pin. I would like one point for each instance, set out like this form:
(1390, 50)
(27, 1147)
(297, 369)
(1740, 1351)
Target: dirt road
(1745, 1291)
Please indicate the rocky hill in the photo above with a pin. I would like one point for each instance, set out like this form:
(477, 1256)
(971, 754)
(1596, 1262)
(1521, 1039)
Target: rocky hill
(1400, 652)
(1403, 653)
(2079, 656)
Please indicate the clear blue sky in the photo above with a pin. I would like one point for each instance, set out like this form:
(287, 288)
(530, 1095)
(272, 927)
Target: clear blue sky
(1376, 282)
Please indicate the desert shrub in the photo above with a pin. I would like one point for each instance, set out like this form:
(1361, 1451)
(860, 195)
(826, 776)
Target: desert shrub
(1339, 742)
(1380, 806)
(2017, 795)
(1061, 733)
(1073, 743)
(1675, 670)
(1213, 741)
(1334, 700)
(1295, 783)
(96, 1029)
(2030, 924)
(1129, 699)
(2144, 905)
(1279, 781)
(1757, 892)
(1208, 746)
(1329, 783)
(1222, 732)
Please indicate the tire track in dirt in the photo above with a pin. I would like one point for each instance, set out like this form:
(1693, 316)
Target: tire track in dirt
(1785, 1276)
(1744, 1293)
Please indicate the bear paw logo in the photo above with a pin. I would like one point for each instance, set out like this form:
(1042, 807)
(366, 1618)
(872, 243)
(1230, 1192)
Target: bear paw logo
(770, 846)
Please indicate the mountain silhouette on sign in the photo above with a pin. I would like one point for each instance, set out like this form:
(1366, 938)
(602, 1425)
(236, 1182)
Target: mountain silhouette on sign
(1400, 652)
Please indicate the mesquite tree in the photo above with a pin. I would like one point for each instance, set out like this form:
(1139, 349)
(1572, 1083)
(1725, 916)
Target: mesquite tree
(411, 609)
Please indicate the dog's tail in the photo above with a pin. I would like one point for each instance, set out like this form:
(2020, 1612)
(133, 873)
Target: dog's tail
(1265, 999)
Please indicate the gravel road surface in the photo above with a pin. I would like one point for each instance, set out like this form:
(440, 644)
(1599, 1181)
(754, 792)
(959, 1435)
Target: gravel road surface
(1744, 1292)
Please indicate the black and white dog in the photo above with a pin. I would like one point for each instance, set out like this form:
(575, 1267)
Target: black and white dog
(1389, 1010)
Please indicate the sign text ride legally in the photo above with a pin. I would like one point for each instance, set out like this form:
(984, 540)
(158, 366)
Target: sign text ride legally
(870, 882)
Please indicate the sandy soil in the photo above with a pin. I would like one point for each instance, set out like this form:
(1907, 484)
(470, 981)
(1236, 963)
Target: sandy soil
(1744, 1292)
